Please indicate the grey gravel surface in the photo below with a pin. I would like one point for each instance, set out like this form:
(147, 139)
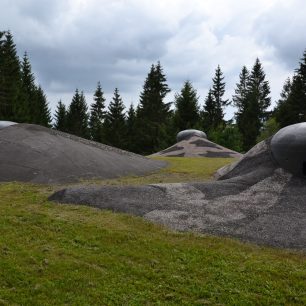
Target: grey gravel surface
(32, 153)
(254, 200)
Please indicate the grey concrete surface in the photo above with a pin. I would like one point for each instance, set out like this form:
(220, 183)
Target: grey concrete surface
(254, 200)
(4, 124)
(197, 146)
(186, 134)
(31, 153)
(288, 147)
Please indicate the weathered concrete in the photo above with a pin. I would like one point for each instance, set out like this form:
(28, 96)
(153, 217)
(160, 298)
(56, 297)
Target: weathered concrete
(186, 134)
(197, 146)
(31, 153)
(288, 147)
(254, 200)
(4, 124)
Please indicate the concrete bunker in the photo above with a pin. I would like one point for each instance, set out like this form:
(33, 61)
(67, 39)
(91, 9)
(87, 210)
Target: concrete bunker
(186, 134)
(288, 148)
(4, 124)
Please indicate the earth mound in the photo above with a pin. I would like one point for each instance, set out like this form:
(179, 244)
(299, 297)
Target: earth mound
(254, 199)
(32, 153)
(196, 146)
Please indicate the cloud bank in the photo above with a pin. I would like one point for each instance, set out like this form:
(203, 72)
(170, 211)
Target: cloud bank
(75, 44)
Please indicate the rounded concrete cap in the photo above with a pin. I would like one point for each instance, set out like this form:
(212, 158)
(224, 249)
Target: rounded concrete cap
(288, 147)
(182, 135)
(4, 124)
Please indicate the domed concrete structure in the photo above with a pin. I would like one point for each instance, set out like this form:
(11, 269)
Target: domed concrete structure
(194, 143)
(288, 147)
(4, 124)
(186, 134)
(32, 153)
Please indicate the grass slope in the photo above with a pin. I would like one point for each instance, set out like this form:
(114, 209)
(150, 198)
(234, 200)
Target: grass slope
(62, 254)
(179, 169)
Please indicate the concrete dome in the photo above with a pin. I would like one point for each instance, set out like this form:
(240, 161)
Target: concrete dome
(186, 134)
(4, 124)
(288, 147)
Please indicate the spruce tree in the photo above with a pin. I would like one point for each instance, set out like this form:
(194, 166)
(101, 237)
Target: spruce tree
(283, 111)
(218, 89)
(241, 92)
(212, 115)
(301, 71)
(291, 108)
(186, 114)
(10, 78)
(60, 117)
(26, 109)
(131, 129)
(77, 117)
(97, 115)
(252, 100)
(240, 100)
(114, 125)
(42, 113)
(2, 94)
(259, 90)
(153, 113)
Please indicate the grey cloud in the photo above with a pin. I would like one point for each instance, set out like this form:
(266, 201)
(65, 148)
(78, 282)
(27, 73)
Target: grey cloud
(77, 43)
(92, 47)
(283, 27)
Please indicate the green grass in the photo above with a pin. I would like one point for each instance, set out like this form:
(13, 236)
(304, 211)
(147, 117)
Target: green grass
(179, 169)
(52, 254)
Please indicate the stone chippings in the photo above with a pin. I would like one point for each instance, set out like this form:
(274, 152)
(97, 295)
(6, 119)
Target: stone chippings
(31, 153)
(254, 200)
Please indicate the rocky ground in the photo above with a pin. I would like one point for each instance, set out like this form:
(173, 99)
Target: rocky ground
(254, 200)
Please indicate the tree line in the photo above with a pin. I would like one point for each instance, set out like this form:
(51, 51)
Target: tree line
(153, 124)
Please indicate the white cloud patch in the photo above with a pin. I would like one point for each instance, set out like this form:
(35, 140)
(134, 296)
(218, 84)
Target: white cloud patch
(76, 43)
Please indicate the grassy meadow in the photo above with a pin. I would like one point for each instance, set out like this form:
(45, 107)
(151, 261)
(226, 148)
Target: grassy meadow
(52, 254)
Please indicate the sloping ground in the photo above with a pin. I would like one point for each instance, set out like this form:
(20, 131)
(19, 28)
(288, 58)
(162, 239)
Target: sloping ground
(196, 146)
(31, 153)
(254, 200)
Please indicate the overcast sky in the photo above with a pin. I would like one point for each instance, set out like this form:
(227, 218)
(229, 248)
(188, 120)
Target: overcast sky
(76, 43)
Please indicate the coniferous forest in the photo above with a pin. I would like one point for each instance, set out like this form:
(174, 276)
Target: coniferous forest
(153, 124)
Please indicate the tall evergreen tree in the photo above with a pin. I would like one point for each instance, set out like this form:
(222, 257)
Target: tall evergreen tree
(301, 71)
(114, 126)
(291, 108)
(97, 115)
(131, 129)
(26, 109)
(77, 116)
(187, 108)
(283, 111)
(60, 117)
(240, 100)
(153, 113)
(212, 115)
(259, 90)
(42, 113)
(252, 99)
(10, 78)
(241, 92)
(218, 88)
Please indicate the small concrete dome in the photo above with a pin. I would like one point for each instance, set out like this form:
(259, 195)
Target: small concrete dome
(288, 147)
(4, 124)
(182, 135)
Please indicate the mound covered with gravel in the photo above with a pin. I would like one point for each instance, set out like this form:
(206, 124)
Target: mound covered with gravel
(32, 153)
(196, 146)
(254, 200)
